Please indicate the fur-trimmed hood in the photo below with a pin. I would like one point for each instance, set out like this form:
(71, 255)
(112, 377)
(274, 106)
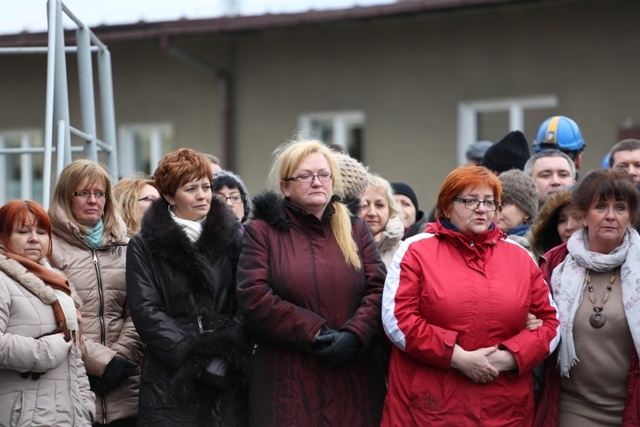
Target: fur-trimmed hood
(166, 240)
(544, 234)
(269, 207)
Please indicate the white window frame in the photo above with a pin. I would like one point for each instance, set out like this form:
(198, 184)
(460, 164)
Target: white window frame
(26, 137)
(468, 112)
(340, 120)
(126, 145)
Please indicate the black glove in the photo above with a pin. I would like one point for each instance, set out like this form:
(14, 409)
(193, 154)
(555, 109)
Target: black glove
(215, 374)
(117, 371)
(343, 345)
(320, 344)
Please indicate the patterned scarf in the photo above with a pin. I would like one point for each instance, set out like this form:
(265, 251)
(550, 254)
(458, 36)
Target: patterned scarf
(64, 309)
(569, 279)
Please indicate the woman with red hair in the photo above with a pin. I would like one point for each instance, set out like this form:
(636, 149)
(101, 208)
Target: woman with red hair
(42, 377)
(455, 303)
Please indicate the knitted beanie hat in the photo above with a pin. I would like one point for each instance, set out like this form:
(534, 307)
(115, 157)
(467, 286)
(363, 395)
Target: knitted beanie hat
(511, 152)
(405, 190)
(518, 188)
(354, 175)
(228, 179)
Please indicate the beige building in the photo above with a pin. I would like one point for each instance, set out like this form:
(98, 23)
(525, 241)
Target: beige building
(405, 86)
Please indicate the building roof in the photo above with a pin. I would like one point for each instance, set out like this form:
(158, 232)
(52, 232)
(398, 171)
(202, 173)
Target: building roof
(239, 24)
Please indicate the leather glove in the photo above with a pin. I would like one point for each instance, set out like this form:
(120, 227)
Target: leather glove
(343, 345)
(117, 371)
(215, 374)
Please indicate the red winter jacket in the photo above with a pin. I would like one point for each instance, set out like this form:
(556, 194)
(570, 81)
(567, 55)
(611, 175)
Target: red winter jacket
(444, 289)
(547, 412)
(292, 280)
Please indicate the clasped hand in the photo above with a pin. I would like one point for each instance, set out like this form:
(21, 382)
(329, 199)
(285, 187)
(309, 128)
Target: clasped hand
(484, 364)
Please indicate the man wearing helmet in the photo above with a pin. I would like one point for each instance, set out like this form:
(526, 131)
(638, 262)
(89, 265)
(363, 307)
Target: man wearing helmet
(560, 133)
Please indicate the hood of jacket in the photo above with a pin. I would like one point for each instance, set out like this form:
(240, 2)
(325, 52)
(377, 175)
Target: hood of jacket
(167, 241)
(269, 207)
(72, 234)
(391, 235)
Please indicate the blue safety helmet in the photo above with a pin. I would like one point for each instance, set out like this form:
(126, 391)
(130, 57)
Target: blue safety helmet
(560, 133)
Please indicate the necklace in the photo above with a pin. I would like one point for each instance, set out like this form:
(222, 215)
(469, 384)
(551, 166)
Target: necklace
(597, 319)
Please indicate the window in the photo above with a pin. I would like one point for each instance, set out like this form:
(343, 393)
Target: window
(503, 114)
(21, 174)
(344, 129)
(141, 147)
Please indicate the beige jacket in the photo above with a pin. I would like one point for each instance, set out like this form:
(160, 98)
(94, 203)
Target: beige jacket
(99, 279)
(60, 395)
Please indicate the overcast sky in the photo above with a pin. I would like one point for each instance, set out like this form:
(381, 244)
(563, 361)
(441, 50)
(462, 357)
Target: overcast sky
(31, 15)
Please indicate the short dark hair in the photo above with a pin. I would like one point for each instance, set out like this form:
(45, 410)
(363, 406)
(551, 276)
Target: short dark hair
(630, 144)
(600, 184)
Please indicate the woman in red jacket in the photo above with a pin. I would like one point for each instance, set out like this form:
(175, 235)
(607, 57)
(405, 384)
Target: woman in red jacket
(309, 286)
(455, 304)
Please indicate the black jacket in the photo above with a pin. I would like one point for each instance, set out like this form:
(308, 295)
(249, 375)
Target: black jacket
(171, 283)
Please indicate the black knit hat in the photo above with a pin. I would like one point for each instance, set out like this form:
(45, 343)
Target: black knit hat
(511, 152)
(225, 178)
(405, 190)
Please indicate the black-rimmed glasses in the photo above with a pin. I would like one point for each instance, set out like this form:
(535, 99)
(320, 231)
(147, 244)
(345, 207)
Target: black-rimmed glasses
(308, 178)
(473, 204)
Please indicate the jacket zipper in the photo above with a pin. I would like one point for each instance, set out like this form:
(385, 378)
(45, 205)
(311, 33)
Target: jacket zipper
(103, 340)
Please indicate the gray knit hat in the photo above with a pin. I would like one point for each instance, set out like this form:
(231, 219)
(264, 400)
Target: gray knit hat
(518, 188)
(354, 175)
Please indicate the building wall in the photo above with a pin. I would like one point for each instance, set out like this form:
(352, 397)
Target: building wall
(407, 75)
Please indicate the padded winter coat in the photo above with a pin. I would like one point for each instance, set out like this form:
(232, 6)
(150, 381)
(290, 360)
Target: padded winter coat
(292, 280)
(98, 275)
(60, 395)
(182, 299)
(444, 289)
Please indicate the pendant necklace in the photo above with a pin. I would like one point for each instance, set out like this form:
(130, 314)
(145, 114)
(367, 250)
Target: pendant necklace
(598, 319)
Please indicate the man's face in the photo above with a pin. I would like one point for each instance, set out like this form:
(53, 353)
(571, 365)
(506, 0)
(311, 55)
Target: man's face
(630, 162)
(551, 174)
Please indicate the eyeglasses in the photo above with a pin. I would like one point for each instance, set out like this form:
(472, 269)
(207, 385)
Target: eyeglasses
(99, 195)
(473, 204)
(147, 199)
(308, 178)
(234, 199)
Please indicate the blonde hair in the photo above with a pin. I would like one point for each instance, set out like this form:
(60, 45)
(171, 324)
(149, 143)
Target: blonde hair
(72, 175)
(383, 185)
(125, 198)
(287, 157)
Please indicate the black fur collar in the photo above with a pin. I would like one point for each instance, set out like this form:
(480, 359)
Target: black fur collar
(166, 240)
(268, 206)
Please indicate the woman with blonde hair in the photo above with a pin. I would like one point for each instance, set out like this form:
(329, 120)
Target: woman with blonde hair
(89, 247)
(309, 287)
(132, 197)
(379, 209)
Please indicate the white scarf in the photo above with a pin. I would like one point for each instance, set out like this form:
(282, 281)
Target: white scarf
(569, 279)
(193, 229)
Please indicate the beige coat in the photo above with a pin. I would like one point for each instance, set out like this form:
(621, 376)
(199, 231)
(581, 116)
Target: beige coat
(60, 396)
(99, 279)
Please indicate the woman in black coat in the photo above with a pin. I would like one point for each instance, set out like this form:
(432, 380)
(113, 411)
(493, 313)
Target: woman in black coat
(181, 290)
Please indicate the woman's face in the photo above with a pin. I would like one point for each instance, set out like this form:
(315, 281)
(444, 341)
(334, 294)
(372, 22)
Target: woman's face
(374, 210)
(147, 195)
(569, 221)
(233, 198)
(29, 240)
(312, 196)
(88, 201)
(510, 217)
(192, 201)
(476, 220)
(607, 221)
(408, 209)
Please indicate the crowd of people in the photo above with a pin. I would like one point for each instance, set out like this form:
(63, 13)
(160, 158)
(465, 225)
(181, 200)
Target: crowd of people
(330, 298)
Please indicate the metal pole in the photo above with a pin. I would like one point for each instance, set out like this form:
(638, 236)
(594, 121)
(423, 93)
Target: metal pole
(108, 114)
(85, 79)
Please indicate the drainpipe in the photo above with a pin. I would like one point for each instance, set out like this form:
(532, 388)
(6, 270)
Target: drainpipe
(225, 88)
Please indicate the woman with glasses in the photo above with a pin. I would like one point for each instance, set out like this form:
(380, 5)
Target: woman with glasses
(455, 303)
(132, 197)
(230, 188)
(89, 246)
(181, 285)
(309, 286)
